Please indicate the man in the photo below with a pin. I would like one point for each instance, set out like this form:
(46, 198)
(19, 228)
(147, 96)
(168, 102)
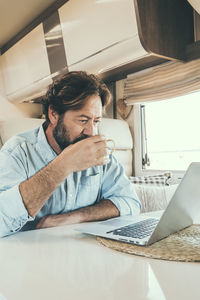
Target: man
(61, 173)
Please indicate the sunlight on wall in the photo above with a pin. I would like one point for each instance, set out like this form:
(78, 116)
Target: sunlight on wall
(7, 109)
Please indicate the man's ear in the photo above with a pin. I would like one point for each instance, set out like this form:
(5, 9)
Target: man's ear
(53, 115)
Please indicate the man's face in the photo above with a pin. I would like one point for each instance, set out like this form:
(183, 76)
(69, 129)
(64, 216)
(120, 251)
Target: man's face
(76, 125)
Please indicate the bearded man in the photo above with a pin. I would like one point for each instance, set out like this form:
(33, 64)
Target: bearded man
(61, 173)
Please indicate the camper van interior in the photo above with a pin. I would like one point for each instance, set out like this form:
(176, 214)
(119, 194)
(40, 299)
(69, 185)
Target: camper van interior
(147, 52)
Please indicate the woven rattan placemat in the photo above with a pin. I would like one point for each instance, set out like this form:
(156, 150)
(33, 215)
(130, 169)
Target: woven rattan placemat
(181, 246)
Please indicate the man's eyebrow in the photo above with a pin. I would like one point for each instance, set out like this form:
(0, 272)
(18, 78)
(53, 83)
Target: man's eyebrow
(85, 116)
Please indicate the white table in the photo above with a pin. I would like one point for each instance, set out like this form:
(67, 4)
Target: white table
(60, 263)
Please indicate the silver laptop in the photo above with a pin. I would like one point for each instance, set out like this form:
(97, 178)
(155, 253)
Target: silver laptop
(148, 228)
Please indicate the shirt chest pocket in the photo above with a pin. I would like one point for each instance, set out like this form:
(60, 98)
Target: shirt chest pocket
(88, 190)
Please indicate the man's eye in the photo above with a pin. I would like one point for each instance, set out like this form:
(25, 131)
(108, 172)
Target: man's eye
(97, 122)
(83, 121)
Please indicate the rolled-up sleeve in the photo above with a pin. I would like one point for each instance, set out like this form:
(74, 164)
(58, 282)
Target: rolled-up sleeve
(13, 214)
(117, 188)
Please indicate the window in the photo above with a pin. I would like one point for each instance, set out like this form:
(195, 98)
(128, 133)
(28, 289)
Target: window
(170, 133)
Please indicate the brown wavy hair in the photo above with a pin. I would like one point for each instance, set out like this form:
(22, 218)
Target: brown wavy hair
(71, 91)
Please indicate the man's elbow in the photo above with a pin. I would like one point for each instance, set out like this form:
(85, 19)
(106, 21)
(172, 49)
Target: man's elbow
(7, 232)
(7, 228)
(4, 232)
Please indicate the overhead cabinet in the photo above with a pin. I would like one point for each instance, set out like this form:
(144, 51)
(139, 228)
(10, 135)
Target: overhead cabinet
(100, 35)
(113, 37)
(25, 67)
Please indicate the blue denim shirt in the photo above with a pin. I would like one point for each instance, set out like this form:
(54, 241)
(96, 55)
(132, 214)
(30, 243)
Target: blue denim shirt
(25, 154)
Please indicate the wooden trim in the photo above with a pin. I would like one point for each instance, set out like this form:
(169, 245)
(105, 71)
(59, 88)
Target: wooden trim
(193, 51)
(196, 26)
(50, 10)
(114, 100)
(135, 66)
(165, 27)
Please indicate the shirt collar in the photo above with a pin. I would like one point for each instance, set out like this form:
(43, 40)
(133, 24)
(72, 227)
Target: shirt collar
(46, 150)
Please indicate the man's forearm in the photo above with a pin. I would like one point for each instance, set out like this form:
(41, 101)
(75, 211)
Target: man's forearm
(103, 210)
(36, 190)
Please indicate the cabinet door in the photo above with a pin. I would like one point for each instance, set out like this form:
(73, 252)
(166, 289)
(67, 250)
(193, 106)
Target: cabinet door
(115, 56)
(26, 62)
(91, 27)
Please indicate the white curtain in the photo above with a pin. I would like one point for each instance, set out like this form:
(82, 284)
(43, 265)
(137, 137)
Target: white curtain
(162, 82)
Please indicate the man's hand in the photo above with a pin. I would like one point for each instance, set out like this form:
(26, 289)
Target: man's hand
(89, 152)
(103, 210)
(59, 220)
(45, 222)
(92, 151)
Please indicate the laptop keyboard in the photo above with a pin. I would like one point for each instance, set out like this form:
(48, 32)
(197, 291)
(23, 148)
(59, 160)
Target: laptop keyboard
(138, 230)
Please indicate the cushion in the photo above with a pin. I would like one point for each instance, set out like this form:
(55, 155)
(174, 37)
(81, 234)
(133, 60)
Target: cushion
(117, 130)
(154, 198)
(160, 179)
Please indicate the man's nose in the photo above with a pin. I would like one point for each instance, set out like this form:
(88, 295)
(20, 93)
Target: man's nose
(90, 129)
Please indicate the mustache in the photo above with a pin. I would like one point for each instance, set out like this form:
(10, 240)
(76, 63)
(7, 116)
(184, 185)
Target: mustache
(80, 138)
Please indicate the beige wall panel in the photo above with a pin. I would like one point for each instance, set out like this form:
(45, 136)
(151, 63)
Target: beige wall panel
(30, 110)
(6, 109)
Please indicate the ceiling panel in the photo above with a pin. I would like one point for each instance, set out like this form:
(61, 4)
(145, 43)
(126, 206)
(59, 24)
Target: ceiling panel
(16, 15)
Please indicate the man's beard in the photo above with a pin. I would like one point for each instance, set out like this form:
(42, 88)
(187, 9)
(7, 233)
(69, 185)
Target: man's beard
(62, 136)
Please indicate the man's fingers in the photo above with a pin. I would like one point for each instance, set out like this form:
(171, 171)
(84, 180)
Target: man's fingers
(97, 138)
(103, 160)
(102, 152)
